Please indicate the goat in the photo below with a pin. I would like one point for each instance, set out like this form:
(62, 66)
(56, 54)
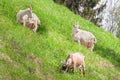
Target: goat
(74, 60)
(83, 37)
(29, 19)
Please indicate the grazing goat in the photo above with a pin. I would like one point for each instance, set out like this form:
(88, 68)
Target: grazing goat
(74, 60)
(83, 37)
(24, 15)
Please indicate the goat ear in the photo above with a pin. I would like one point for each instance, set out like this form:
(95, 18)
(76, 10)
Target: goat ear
(30, 7)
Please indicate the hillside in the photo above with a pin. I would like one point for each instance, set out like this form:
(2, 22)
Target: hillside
(25, 55)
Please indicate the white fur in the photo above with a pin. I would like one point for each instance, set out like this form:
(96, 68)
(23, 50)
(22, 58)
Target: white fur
(23, 15)
(83, 37)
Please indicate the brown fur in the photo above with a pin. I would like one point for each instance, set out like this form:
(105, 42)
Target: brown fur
(88, 44)
(74, 60)
(32, 25)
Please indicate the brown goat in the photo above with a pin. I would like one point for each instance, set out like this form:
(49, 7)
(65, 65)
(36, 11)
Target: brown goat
(74, 60)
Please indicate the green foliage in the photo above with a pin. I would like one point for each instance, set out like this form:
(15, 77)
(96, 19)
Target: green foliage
(38, 56)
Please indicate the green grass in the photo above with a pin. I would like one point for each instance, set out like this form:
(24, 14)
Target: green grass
(51, 44)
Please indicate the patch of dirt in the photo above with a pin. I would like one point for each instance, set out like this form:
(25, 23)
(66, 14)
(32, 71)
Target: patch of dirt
(15, 64)
(115, 77)
(49, 77)
(106, 64)
(32, 57)
(38, 63)
(5, 77)
(37, 70)
(8, 60)
(5, 57)
(39, 74)
(15, 46)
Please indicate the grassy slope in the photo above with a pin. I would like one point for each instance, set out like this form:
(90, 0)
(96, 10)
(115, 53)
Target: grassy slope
(51, 44)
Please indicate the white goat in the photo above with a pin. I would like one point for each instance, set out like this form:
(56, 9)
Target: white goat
(29, 19)
(74, 60)
(83, 37)
(24, 15)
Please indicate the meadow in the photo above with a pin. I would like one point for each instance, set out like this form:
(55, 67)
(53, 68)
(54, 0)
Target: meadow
(26, 55)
